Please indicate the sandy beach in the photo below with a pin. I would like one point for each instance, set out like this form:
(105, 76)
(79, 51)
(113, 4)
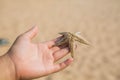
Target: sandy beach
(97, 20)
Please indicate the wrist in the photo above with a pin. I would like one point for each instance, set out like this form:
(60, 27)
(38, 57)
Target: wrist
(7, 68)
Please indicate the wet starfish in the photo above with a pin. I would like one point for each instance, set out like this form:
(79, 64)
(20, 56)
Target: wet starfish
(69, 39)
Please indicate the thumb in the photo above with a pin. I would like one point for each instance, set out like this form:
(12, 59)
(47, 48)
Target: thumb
(31, 33)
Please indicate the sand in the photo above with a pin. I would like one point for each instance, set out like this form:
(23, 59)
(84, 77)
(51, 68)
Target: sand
(97, 20)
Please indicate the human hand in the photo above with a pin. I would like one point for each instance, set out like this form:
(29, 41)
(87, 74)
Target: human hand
(33, 60)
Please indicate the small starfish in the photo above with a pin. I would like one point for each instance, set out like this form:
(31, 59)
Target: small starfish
(69, 39)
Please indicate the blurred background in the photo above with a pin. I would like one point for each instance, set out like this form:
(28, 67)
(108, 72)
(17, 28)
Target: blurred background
(97, 20)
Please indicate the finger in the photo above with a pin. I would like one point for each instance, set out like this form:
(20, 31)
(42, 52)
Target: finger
(55, 49)
(63, 65)
(31, 32)
(51, 43)
(60, 54)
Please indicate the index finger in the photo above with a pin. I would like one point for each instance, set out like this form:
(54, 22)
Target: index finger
(51, 43)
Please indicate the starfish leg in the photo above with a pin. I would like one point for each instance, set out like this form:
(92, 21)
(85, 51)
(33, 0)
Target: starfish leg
(80, 39)
(71, 46)
(62, 41)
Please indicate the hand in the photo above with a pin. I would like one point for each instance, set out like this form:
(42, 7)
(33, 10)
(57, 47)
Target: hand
(33, 60)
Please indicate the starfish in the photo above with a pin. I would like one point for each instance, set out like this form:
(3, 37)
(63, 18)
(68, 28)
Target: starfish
(69, 39)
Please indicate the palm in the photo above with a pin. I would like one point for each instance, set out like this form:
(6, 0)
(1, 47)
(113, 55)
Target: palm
(35, 60)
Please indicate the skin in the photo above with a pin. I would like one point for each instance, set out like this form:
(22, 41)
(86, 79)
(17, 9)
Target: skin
(26, 60)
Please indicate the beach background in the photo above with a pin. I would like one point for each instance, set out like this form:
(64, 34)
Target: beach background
(97, 20)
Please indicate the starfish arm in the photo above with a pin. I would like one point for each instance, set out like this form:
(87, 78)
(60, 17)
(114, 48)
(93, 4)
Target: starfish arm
(62, 42)
(80, 39)
(62, 39)
(71, 46)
